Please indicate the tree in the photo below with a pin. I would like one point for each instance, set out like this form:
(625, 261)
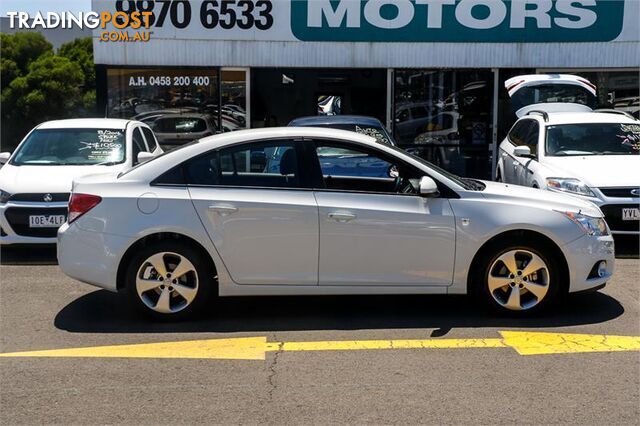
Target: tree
(38, 85)
(80, 51)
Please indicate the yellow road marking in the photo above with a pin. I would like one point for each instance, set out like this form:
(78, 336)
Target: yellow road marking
(255, 348)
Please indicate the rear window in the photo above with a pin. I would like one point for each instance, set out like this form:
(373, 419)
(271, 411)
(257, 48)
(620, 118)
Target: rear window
(550, 93)
(72, 147)
(190, 125)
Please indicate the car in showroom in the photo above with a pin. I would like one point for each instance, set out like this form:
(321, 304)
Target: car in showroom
(35, 182)
(173, 130)
(591, 155)
(205, 220)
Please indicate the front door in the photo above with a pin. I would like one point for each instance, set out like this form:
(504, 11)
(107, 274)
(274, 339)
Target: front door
(263, 224)
(374, 228)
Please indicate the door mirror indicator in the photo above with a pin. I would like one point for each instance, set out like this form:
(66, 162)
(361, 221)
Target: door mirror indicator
(522, 151)
(428, 188)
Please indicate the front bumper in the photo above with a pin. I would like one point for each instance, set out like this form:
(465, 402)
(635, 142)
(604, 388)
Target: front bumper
(90, 257)
(582, 255)
(14, 228)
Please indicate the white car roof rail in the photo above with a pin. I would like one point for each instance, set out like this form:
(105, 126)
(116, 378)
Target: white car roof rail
(615, 111)
(542, 113)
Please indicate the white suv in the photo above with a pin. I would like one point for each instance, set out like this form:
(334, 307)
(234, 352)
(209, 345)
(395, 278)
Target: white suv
(592, 155)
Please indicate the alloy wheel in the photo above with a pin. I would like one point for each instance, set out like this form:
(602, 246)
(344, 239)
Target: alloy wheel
(167, 282)
(518, 280)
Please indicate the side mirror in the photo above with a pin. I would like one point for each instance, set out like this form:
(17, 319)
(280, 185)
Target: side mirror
(428, 188)
(522, 151)
(143, 157)
(4, 157)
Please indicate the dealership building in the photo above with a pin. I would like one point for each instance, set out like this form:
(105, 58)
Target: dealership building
(432, 71)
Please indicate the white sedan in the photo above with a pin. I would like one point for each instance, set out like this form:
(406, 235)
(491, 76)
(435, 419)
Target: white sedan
(298, 211)
(35, 181)
(593, 155)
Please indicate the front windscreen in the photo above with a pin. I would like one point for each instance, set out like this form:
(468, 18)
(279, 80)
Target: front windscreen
(72, 147)
(593, 139)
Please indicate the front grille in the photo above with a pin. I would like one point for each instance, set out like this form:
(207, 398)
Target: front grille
(55, 197)
(620, 192)
(613, 216)
(18, 219)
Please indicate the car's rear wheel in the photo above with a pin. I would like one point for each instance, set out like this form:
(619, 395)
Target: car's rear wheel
(169, 280)
(519, 279)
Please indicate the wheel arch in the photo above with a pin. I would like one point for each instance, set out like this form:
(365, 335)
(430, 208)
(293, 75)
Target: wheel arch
(508, 237)
(154, 238)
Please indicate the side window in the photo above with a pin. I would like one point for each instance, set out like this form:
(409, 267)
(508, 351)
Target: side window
(151, 138)
(138, 144)
(272, 164)
(352, 168)
(519, 132)
(532, 137)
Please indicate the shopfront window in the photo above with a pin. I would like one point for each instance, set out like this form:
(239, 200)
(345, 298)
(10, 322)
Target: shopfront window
(234, 100)
(153, 95)
(615, 89)
(446, 118)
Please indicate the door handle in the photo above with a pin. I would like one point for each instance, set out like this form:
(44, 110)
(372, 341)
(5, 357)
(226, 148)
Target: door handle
(341, 216)
(223, 209)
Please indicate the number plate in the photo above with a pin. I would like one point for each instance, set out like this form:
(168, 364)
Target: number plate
(630, 214)
(46, 221)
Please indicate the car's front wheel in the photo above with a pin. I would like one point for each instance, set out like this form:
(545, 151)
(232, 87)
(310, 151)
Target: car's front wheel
(519, 279)
(169, 280)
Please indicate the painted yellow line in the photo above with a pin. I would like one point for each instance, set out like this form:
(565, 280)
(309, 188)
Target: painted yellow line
(354, 345)
(255, 348)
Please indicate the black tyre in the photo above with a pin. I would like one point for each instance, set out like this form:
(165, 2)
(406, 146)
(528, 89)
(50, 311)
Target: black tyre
(170, 280)
(518, 279)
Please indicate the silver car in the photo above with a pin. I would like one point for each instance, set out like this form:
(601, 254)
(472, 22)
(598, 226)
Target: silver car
(260, 212)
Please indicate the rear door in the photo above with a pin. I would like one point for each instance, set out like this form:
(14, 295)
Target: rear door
(257, 212)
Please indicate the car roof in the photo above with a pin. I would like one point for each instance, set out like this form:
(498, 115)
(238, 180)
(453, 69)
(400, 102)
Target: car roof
(556, 118)
(86, 123)
(187, 115)
(172, 158)
(327, 120)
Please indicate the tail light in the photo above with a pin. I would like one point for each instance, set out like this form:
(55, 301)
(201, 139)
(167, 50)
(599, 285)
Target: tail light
(79, 204)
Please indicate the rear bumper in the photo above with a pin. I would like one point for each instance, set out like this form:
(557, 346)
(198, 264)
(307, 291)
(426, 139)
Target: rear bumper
(582, 255)
(90, 257)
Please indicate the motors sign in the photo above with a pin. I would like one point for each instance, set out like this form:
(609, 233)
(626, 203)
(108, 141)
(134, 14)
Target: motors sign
(500, 21)
(408, 21)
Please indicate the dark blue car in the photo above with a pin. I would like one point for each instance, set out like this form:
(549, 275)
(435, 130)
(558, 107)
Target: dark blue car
(338, 161)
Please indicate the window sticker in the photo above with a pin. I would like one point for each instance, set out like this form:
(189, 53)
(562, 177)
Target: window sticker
(631, 136)
(373, 132)
(107, 147)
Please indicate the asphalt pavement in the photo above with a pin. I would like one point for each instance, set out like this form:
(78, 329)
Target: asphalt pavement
(475, 380)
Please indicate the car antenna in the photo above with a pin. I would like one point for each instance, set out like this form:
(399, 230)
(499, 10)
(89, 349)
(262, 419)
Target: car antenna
(106, 111)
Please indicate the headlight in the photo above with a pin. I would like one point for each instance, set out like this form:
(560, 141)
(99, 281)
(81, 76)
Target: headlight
(594, 226)
(4, 196)
(570, 185)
